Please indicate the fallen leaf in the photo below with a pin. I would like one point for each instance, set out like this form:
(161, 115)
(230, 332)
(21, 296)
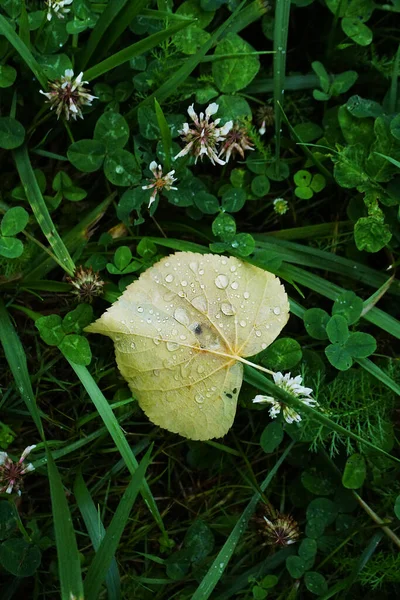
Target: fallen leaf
(181, 331)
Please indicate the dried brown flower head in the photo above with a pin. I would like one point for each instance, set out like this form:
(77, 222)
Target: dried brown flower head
(87, 284)
(280, 530)
(236, 142)
(11, 473)
(265, 117)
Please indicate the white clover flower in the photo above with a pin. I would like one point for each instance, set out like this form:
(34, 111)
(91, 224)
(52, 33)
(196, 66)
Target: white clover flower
(11, 473)
(68, 94)
(281, 206)
(292, 385)
(159, 182)
(203, 137)
(57, 7)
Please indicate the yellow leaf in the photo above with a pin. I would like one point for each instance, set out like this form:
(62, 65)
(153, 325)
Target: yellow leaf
(181, 331)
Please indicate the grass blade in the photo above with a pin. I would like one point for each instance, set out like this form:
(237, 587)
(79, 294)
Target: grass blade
(220, 563)
(96, 533)
(16, 359)
(383, 377)
(110, 12)
(120, 23)
(40, 209)
(136, 49)
(109, 544)
(23, 51)
(114, 429)
(69, 563)
(282, 12)
(165, 134)
(259, 381)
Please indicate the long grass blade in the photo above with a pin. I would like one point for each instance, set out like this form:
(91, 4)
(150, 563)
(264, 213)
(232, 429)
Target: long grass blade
(220, 563)
(16, 358)
(165, 134)
(281, 29)
(23, 51)
(40, 209)
(109, 544)
(96, 533)
(69, 564)
(110, 12)
(136, 49)
(120, 23)
(114, 429)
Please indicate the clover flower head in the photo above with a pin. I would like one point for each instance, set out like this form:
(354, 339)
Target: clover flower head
(159, 182)
(281, 206)
(204, 135)
(11, 473)
(281, 530)
(292, 385)
(265, 118)
(236, 142)
(86, 283)
(58, 8)
(68, 95)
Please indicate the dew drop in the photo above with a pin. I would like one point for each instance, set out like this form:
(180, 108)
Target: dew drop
(201, 271)
(246, 295)
(277, 310)
(199, 398)
(193, 266)
(227, 308)
(156, 341)
(140, 309)
(221, 281)
(263, 345)
(133, 345)
(169, 278)
(200, 369)
(119, 169)
(234, 285)
(242, 323)
(184, 283)
(233, 268)
(200, 303)
(181, 294)
(258, 333)
(181, 316)
(156, 372)
(172, 346)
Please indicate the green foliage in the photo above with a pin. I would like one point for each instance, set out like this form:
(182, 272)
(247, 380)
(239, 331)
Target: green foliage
(317, 106)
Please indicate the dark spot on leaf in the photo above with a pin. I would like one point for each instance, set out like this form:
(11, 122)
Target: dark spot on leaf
(228, 395)
(198, 330)
(234, 391)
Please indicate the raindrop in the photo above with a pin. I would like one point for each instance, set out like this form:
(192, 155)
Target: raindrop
(199, 398)
(133, 345)
(181, 294)
(263, 345)
(200, 303)
(234, 285)
(181, 316)
(172, 346)
(200, 369)
(169, 278)
(140, 309)
(242, 323)
(156, 341)
(193, 266)
(221, 281)
(184, 283)
(119, 169)
(277, 310)
(233, 268)
(227, 309)
(156, 372)
(258, 333)
(246, 295)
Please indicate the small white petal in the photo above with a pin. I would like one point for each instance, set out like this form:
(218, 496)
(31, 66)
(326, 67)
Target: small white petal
(226, 128)
(3, 457)
(262, 129)
(10, 488)
(191, 112)
(27, 451)
(211, 109)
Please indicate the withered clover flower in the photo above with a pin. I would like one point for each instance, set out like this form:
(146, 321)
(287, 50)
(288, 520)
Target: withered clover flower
(87, 284)
(159, 182)
(292, 385)
(11, 473)
(265, 118)
(68, 95)
(281, 530)
(236, 142)
(203, 137)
